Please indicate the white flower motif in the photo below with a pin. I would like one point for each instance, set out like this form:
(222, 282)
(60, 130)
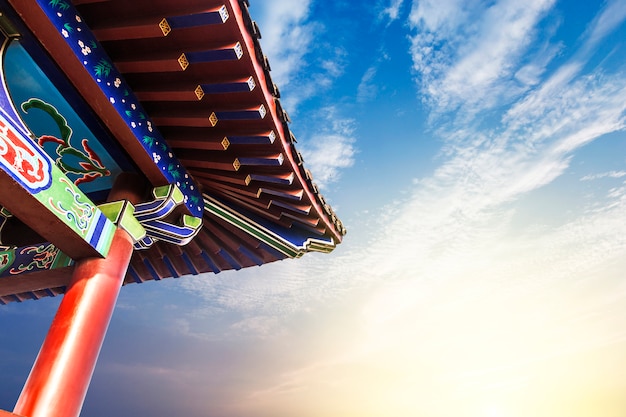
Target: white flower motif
(117, 83)
(133, 106)
(112, 100)
(64, 33)
(156, 157)
(133, 124)
(149, 126)
(78, 19)
(86, 50)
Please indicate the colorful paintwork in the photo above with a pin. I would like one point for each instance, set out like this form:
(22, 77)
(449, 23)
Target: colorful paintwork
(32, 258)
(7, 257)
(24, 160)
(292, 243)
(95, 60)
(61, 132)
(152, 217)
(83, 162)
(78, 212)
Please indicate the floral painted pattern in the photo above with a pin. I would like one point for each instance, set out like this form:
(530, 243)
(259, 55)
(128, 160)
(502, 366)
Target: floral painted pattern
(85, 46)
(79, 213)
(84, 163)
(41, 258)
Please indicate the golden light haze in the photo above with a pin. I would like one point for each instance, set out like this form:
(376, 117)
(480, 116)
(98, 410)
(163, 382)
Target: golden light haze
(500, 328)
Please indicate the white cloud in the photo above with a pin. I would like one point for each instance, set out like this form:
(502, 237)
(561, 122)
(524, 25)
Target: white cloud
(392, 11)
(286, 35)
(367, 89)
(291, 39)
(466, 205)
(466, 54)
(450, 294)
(610, 174)
(608, 20)
(330, 149)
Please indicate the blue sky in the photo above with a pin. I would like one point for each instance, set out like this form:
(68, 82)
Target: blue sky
(476, 151)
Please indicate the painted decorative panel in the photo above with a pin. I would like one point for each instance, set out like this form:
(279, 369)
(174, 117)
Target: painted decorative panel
(97, 63)
(24, 161)
(44, 256)
(59, 130)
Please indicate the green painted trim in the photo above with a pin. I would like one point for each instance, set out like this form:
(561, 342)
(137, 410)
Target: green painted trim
(122, 213)
(170, 191)
(192, 222)
(61, 261)
(112, 210)
(249, 227)
(263, 234)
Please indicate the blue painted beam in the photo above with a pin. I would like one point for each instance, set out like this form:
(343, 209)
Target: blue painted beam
(240, 86)
(273, 179)
(271, 160)
(267, 139)
(88, 51)
(228, 53)
(247, 114)
(214, 17)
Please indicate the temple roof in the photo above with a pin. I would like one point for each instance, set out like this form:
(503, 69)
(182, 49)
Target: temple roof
(197, 70)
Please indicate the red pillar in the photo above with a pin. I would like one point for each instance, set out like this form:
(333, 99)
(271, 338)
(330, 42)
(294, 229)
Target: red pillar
(58, 382)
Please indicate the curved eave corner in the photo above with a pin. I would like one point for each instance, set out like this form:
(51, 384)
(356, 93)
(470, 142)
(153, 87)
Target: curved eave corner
(324, 211)
(292, 242)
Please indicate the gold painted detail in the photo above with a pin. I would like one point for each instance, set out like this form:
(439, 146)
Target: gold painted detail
(237, 164)
(182, 60)
(199, 92)
(165, 27)
(225, 143)
(213, 119)
(248, 179)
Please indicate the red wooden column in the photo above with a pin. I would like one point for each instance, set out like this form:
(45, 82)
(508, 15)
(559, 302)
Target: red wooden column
(58, 381)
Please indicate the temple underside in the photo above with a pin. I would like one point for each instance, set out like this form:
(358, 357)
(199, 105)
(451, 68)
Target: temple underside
(177, 96)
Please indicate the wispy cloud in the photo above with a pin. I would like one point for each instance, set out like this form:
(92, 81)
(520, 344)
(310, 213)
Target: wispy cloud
(331, 148)
(610, 174)
(609, 19)
(286, 35)
(466, 54)
(391, 12)
(448, 293)
(291, 40)
(367, 89)
(468, 202)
